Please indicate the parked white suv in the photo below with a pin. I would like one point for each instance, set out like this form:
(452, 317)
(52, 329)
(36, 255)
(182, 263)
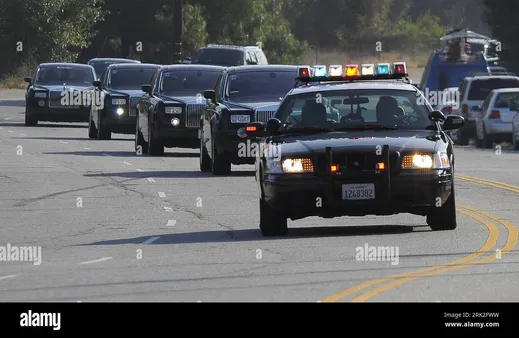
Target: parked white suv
(473, 92)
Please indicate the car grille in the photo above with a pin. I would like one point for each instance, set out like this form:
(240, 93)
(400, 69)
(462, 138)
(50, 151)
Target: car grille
(356, 162)
(193, 114)
(55, 100)
(264, 116)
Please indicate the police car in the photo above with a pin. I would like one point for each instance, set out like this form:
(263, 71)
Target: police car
(386, 153)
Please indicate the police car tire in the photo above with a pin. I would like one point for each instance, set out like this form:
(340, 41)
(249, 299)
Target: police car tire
(30, 120)
(271, 222)
(444, 218)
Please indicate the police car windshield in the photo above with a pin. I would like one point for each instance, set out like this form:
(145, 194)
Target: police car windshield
(130, 78)
(188, 82)
(356, 109)
(260, 84)
(59, 75)
(219, 57)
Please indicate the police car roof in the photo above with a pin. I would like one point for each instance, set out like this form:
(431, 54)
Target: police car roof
(371, 84)
(264, 68)
(63, 64)
(192, 67)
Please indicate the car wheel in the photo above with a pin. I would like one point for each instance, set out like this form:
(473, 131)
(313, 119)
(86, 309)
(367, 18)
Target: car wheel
(140, 143)
(92, 130)
(155, 147)
(30, 120)
(205, 160)
(515, 142)
(219, 165)
(487, 141)
(272, 223)
(444, 217)
(103, 133)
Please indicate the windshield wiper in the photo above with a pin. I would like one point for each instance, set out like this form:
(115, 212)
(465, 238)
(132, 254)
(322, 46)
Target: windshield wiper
(367, 127)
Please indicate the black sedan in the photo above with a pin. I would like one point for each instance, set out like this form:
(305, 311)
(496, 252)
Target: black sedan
(59, 92)
(169, 111)
(100, 64)
(386, 154)
(119, 89)
(243, 94)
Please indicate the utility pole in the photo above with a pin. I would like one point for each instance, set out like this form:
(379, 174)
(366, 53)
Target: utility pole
(178, 26)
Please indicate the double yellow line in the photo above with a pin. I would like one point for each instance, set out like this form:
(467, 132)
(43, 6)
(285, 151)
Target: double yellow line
(393, 281)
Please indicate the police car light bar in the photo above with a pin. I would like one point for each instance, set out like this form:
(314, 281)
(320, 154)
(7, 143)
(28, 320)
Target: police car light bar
(367, 71)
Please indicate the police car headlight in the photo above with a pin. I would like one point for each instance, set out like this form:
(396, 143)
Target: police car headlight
(422, 161)
(297, 166)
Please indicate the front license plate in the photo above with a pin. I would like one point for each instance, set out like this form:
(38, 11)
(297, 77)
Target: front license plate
(358, 192)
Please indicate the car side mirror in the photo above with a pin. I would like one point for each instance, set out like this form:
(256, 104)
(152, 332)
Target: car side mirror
(210, 95)
(255, 129)
(27, 79)
(437, 116)
(146, 88)
(97, 84)
(273, 126)
(453, 122)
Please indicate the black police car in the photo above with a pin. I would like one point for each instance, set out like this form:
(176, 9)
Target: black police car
(59, 92)
(387, 153)
(169, 111)
(119, 89)
(100, 64)
(242, 95)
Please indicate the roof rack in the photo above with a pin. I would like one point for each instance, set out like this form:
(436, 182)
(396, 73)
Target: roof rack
(228, 46)
(492, 74)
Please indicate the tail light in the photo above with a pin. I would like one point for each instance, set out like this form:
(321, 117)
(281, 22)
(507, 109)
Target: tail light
(465, 111)
(495, 114)
(447, 110)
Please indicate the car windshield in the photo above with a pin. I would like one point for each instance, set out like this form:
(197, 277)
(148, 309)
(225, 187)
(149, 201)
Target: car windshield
(59, 75)
(480, 89)
(256, 84)
(355, 109)
(219, 57)
(100, 66)
(130, 78)
(507, 100)
(188, 82)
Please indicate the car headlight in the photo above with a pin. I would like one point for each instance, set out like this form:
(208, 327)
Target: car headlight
(118, 102)
(40, 95)
(296, 165)
(173, 110)
(240, 118)
(422, 161)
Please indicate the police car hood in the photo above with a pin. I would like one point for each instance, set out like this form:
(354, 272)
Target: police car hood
(358, 141)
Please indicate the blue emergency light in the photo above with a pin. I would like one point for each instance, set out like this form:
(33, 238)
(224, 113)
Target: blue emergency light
(320, 71)
(367, 71)
(383, 69)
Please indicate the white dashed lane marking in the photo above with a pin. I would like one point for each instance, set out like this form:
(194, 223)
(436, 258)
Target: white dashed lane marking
(8, 277)
(139, 170)
(127, 163)
(96, 261)
(10, 131)
(150, 240)
(63, 142)
(171, 223)
(162, 194)
(21, 134)
(168, 209)
(85, 148)
(151, 179)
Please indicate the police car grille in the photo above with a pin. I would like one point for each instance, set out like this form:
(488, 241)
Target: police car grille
(264, 116)
(193, 114)
(356, 162)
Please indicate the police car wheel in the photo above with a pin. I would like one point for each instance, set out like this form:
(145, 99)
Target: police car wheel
(444, 217)
(271, 222)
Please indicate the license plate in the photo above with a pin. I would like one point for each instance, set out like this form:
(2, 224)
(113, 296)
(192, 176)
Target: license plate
(358, 192)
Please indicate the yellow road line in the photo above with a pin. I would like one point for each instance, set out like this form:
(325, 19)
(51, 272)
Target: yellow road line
(491, 241)
(509, 246)
(490, 183)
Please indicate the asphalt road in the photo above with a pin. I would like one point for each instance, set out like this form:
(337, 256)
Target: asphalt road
(114, 226)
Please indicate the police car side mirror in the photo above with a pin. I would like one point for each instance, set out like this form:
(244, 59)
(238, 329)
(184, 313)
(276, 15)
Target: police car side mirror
(255, 129)
(453, 122)
(437, 116)
(146, 88)
(273, 126)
